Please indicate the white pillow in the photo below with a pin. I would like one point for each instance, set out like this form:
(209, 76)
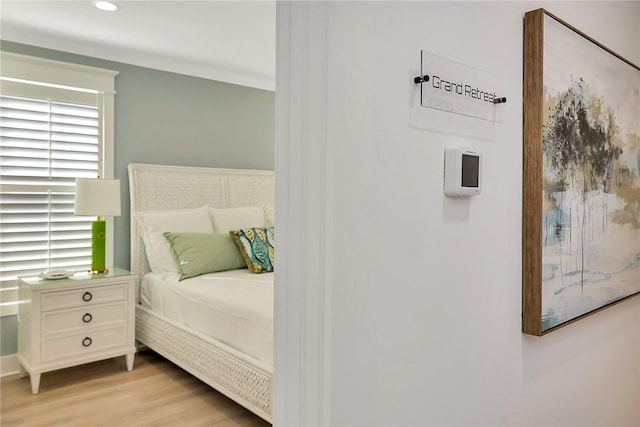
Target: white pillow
(225, 220)
(155, 223)
(269, 216)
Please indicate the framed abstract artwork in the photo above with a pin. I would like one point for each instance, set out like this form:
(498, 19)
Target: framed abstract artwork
(581, 175)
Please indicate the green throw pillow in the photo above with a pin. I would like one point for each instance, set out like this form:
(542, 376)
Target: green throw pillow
(257, 246)
(200, 253)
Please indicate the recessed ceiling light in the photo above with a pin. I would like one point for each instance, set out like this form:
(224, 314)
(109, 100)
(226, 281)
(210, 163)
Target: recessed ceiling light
(106, 5)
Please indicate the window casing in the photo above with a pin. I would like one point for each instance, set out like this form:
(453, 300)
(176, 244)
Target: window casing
(56, 124)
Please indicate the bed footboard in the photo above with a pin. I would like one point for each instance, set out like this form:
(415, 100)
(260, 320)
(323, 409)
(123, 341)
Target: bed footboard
(211, 362)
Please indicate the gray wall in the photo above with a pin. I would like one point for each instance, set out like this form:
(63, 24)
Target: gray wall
(8, 335)
(169, 118)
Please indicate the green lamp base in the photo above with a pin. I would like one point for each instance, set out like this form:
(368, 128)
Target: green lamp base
(98, 247)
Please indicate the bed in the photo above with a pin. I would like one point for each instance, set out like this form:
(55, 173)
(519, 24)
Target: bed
(241, 369)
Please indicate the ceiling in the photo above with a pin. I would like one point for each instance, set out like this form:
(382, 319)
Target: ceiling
(230, 41)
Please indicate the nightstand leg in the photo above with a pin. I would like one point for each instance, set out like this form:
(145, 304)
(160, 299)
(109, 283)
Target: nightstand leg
(35, 383)
(129, 357)
(21, 371)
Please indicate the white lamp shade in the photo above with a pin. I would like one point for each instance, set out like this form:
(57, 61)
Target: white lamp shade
(97, 197)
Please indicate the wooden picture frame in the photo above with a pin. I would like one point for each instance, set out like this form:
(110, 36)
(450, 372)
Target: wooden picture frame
(581, 183)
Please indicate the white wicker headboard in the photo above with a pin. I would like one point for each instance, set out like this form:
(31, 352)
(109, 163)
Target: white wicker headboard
(163, 187)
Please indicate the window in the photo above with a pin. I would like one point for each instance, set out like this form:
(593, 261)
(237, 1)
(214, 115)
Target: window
(56, 124)
(44, 146)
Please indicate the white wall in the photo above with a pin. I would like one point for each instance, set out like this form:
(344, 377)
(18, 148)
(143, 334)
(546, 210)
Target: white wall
(425, 291)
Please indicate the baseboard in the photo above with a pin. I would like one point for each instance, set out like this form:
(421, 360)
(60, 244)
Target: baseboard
(9, 365)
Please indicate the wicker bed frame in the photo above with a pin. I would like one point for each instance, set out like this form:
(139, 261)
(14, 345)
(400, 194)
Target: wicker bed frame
(242, 378)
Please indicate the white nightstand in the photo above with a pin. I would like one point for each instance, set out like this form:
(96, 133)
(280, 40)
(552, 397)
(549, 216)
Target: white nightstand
(81, 319)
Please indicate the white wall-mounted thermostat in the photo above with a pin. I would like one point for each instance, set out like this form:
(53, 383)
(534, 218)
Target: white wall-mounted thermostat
(462, 172)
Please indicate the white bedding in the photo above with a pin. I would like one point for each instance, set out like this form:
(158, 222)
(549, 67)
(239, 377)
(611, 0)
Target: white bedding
(234, 307)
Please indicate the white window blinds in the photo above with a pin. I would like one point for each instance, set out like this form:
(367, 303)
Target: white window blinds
(56, 124)
(44, 146)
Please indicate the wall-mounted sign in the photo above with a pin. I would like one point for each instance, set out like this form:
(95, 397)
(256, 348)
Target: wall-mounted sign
(457, 88)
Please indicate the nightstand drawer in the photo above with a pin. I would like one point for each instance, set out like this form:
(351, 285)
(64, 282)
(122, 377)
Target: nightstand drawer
(83, 343)
(84, 318)
(83, 297)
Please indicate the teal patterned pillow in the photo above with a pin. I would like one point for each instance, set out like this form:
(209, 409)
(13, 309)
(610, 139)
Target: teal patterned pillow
(257, 246)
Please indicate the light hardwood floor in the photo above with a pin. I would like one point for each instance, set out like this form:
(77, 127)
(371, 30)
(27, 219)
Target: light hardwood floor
(155, 393)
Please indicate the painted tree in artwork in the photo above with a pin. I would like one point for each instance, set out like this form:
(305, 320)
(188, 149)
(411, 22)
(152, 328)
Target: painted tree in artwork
(579, 141)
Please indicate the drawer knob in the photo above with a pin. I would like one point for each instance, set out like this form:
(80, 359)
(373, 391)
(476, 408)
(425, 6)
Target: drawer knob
(87, 318)
(87, 296)
(86, 342)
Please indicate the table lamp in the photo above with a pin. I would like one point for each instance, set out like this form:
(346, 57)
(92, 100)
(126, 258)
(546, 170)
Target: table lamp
(100, 198)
